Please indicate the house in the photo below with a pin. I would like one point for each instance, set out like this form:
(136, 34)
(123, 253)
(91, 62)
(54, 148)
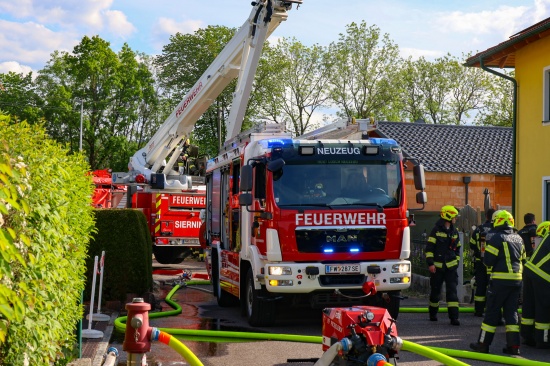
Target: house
(528, 52)
(462, 163)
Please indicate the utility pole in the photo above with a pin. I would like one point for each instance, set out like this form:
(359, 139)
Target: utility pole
(81, 114)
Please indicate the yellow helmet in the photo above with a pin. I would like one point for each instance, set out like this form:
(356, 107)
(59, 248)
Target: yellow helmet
(543, 228)
(448, 212)
(495, 215)
(503, 217)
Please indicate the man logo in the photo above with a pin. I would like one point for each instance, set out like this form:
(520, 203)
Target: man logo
(341, 239)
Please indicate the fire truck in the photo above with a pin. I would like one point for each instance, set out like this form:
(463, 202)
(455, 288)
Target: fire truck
(306, 221)
(171, 196)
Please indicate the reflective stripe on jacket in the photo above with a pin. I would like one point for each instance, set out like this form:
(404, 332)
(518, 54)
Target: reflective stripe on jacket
(443, 246)
(505, 253)
(539, 263)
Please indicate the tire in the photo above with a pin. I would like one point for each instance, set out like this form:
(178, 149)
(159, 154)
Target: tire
(170, 255)
(394, 303)
(224, 298)
(259, 312)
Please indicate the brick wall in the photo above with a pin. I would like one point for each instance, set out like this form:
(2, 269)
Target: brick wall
(449, 189)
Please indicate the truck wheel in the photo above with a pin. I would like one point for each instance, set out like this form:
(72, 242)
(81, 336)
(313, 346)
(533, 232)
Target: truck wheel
(260, 313)
(394, 303)
(224, 298)
(171, 255)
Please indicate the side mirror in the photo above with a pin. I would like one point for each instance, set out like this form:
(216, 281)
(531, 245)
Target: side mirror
(275, 165)
(245, 183)
(419, 178)
(245, 199)
(421, 197)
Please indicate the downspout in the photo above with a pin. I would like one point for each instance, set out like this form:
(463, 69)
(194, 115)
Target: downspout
(514, 128)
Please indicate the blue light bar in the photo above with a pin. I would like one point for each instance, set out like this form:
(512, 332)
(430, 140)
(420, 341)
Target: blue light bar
(354, 250)
(382, 141)
(272, 143)
(328, 250)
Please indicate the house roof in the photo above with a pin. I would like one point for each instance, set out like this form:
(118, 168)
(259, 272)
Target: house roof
(503, 55)
(454, 149)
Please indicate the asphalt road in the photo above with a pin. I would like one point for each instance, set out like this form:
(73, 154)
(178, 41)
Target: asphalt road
(200, 311)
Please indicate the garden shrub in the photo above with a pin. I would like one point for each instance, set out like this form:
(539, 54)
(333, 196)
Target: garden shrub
(124, 236)
(46, 222)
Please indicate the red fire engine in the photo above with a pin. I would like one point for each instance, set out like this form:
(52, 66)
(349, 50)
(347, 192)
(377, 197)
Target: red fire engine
(173, 220)
(306, 221)
(156, 183)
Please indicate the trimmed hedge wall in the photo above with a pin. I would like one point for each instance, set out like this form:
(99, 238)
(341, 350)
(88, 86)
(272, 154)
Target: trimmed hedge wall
(46, 219)
(124, 236)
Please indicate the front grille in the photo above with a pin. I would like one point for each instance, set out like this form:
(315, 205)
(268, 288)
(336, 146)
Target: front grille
(341, 240)
(324, 299)
(342, 280)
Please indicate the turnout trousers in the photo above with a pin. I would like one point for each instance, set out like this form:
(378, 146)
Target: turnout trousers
(535, 319)
(501, 295)
(450, 277)
(482, 281)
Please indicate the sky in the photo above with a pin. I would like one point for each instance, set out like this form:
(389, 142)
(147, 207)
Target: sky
(31, 30)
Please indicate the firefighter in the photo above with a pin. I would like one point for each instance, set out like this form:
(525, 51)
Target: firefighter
(477, 245)
(528, 233)
(535, 321)
(442, 257)
(504, 253)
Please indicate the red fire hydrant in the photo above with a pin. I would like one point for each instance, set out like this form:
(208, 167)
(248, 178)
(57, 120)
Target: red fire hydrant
(137, 338)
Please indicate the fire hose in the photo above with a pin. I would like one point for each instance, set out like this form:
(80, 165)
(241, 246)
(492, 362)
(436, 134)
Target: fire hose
(443, 355)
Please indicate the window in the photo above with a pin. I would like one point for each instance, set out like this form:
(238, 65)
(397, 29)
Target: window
(545, 198)
(546, 96)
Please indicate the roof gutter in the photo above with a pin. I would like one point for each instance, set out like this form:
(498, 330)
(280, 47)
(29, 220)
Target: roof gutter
(514, 127)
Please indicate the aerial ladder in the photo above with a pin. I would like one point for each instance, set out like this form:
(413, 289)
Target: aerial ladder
(238, 60)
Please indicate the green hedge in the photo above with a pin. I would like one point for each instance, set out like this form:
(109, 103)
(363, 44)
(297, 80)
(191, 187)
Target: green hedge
(124, 236)
(46, 221)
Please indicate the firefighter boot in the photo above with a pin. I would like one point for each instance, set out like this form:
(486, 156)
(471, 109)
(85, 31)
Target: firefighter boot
(512, 344)
(453, 314)
(479, 307)
(541, 338)
(527, 332)
(485, 340)
(433, 313)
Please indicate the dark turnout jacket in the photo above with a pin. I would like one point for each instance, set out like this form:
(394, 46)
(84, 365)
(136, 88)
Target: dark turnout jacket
(505, 253)
(443, 246)
(539, 263)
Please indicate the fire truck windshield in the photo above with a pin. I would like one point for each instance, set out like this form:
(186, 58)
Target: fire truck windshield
(368, 182)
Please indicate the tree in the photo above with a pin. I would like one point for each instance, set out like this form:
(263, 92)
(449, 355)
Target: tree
(18, 97)
(293, 83)
(410, 104)
(362, 65)
(117, 95)
(469, 90)
(181, 64)
(499, 103)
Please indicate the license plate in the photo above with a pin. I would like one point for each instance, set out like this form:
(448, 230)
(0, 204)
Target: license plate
(342, 268)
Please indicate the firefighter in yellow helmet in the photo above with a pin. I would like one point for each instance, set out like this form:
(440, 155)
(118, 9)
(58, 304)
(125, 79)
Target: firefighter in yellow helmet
(505, 253)
(442, 257)
(535, 320)
(477, 245)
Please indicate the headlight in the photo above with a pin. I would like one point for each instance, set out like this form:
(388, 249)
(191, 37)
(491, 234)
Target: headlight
(401, 268)
(276, 283)
(279, 271)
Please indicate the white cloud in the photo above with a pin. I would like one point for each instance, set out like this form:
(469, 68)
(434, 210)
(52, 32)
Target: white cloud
(540, 10)
(416, 53)
(166, 27)
(31, 43)
(503, 21)
(16, 67)
(118, 24)
(169, 26)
